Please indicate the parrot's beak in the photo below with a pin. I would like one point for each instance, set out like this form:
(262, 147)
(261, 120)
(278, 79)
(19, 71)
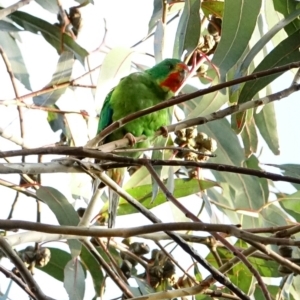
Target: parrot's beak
(183, 71)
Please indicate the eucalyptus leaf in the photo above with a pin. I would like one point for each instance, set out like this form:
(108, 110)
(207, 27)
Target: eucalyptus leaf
(63, 210)
(188, 30)
(50, 32)
(286, 8)
(239, 21)
(15, 57)
(62, 74)
(91, 265)
(266, 123)
(74, 280)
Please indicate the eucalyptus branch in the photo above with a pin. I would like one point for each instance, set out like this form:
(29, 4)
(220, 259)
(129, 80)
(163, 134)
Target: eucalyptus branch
(18, 281)
(120, 162)
(180, 99)
(32, 106)
(16, 260)
(142, 231)
(17, 188)
(185, 246)
(216, 235)
(278, 258)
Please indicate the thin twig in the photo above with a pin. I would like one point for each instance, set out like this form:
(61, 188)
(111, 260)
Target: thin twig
(216, 235)
(122, 286)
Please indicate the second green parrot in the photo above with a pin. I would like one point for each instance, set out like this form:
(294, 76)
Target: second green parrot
(136, 92)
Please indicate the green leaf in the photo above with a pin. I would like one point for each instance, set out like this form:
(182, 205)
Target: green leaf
(50, 32)
(156, 14)
(15, 58)
(286, 52)
(271, 215)
(291, 205)
(157, 154)
(249, 134)
(239, 274)
(244, 192)
(238, 24)
(57, 122)
(273, 289)
(287, 7)
(266, 268)
(263, 41)
(266, 123)
(188, 30)
(57, 263)
(116, 65)
(253, 163)
(215, 8)
(59, 204)
(159, 42)
(63, 210)
(143, 194)
(62, 74)
(74, 279)
(93, 267)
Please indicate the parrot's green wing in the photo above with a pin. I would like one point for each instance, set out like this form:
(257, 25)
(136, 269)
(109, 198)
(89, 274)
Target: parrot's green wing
(106, 114)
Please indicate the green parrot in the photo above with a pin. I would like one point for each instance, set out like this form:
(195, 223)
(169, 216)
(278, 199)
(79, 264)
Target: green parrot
(136, 92)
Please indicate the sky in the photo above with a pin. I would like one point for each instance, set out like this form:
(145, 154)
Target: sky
(41, 61)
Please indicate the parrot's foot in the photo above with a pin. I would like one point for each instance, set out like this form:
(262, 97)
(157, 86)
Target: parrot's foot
(164, 131)
(131, 138)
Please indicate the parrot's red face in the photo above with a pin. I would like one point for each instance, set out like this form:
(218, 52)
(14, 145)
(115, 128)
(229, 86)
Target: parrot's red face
(176, 77)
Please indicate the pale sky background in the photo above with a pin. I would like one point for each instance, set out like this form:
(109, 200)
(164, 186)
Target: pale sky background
(41, 61)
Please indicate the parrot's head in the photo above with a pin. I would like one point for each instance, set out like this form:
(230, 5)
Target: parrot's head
(169, 74)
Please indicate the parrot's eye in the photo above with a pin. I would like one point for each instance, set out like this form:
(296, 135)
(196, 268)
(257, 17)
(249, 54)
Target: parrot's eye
(170, 66)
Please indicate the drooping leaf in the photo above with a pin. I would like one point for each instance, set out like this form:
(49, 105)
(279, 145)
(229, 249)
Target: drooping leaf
(266, 123)
(15, 58)
(286, 8)
(286, 52)
(57, 263)
(272, 215)
(57, 122)
(253, 163)
(263, 41)
(50, 32)
(143, 193)
(291, 205)
(63, 210)
(238, 24)
(74, 279)
(157, 154)
(249, 135)
(93, 267)
(159, 42)
(156, 14)
(244, 191)
(62, 74)
(188, 30)
(116, 64)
